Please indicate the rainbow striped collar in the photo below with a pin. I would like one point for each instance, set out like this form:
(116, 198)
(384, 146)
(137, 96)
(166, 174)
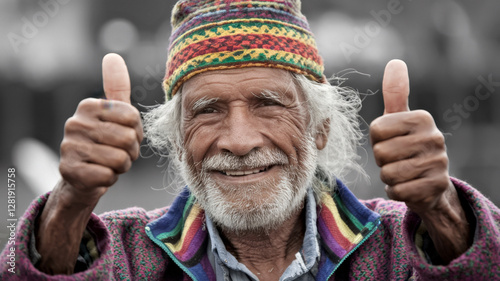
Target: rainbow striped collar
(344, 223)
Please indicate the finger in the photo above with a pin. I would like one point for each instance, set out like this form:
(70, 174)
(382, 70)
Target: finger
(116, 81)
(405, 170)
(84, 175)
(389, 126)
(405, 147)
(396, 87)
(118, 136)
(396, 149)
(111, 111)
(412, 191)
(108, 133)
(123, 114)
(400, 124)
(419, 193)
(108, 156)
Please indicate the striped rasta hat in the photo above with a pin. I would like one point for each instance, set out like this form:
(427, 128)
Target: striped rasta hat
(224, 34)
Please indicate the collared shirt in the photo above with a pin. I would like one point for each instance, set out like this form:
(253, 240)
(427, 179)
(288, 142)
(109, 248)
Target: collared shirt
(303, 268)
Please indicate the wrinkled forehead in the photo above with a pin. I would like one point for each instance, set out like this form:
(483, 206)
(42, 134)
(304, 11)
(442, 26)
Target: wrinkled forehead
(240, 81)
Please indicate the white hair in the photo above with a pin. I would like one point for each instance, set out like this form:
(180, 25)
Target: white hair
(333, 105)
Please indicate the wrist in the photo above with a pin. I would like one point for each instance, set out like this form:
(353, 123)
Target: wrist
(71, 198)
(448, 226)
(59, 230)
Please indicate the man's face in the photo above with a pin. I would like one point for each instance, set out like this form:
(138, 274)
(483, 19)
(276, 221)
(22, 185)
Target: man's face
(247, 155)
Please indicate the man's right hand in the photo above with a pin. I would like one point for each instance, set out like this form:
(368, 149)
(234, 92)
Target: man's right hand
(103, 137)
(100, 142)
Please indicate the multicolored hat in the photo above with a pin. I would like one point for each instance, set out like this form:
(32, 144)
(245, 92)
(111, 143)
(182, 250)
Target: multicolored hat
(224, 34)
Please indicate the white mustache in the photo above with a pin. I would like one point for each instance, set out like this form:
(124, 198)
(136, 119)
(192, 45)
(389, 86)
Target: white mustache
(263, 157)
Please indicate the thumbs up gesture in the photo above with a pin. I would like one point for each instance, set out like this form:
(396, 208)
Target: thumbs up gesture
(103, 137)
(414, 164)
(100, 142)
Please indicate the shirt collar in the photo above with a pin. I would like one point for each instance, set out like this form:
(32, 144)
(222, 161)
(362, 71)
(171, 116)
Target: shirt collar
(310, 251)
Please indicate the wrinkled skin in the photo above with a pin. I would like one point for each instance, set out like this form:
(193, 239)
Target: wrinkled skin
(240, 121)
(100, 142)
(411, 152)
(102, 139)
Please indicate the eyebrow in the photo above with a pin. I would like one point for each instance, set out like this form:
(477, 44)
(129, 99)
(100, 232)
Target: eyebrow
(203, 102)
(269, 95)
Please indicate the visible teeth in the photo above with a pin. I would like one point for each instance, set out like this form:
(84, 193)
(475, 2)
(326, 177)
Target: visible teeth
(241, 173)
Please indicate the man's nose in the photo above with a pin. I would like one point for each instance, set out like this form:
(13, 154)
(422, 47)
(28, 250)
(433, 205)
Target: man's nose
(241, 132)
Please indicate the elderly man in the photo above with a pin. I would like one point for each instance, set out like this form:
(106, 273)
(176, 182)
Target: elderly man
(262, 142)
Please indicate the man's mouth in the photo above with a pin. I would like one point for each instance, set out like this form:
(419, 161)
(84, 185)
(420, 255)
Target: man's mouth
(239, 173)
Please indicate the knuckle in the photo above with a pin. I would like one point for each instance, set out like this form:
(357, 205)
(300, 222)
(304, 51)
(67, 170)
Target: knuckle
(86, 177)
(424, 116)
(135, 152)
(65, 146)
(438, 139)
(72, 124)
(393, 192)
(375, 129)
(377, 149)
(386, 178)
(122, 156)
(385, 174)
(432, 142)
(70, 150)
(77, 125)
(129, 139)
(441, 181)
(103, 176)
(132, 117)
(73, 173)
(122, 160)
(441, 161)
(64, 170)
(87, 105)
(401, 194)
(378, 154)
(106, 178)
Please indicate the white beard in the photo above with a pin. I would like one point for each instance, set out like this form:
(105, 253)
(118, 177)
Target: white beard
(242, 207)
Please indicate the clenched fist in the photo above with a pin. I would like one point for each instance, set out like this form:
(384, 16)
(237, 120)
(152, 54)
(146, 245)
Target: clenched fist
(103, 137)
(100, 142)
(411, 152)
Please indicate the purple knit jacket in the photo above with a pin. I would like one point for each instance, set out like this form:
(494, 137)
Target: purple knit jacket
(387, 250)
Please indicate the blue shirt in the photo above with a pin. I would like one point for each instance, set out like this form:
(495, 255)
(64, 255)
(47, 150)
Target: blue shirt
(303, 268)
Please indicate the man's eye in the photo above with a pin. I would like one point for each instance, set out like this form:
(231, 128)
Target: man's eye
(271, 103)
(207, 110)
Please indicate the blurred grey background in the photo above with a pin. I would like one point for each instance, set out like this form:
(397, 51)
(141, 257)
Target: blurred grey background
(50, 59)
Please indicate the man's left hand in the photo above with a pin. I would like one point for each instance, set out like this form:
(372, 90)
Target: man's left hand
(411, 152)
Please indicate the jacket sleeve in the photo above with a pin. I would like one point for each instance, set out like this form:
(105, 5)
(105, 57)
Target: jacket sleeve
(16, 263)
(481, 261)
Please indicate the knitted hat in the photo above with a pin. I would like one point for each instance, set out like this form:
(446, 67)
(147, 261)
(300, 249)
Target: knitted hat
(224, 34)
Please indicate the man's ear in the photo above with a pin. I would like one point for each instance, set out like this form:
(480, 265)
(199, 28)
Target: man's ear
(322, 132)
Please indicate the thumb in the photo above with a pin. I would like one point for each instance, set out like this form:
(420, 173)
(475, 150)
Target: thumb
(115, 78)
(396, 87)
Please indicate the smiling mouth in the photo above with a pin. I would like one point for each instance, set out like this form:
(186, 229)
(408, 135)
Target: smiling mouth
(240, 173)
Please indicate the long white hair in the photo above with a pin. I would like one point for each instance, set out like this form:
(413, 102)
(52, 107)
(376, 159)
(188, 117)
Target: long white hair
(338, 106)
